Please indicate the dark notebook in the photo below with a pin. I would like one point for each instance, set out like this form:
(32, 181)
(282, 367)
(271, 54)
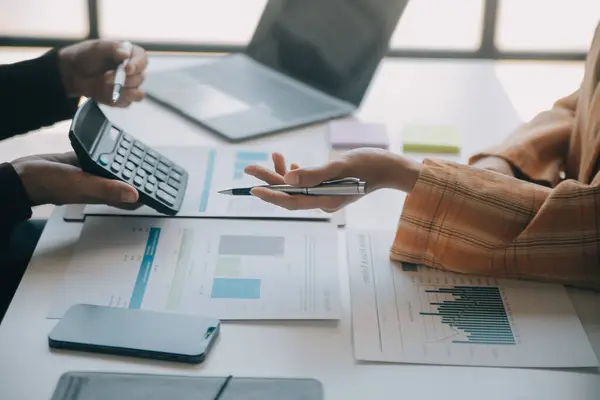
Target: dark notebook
(117, 386)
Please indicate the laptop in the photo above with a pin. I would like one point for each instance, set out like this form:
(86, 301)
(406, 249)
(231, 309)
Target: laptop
(308, 61)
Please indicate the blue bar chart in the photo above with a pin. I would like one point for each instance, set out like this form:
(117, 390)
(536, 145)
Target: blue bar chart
(139, 289)
(475, 312)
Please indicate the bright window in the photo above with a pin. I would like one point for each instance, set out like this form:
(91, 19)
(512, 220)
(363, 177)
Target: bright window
(546, 25)
(44, 18)
(522, 25)
(440, 24)
(181, 21)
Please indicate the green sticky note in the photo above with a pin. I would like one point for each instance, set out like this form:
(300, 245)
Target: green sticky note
(431, 139)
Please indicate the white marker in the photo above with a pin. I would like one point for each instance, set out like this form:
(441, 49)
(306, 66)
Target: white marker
(120, 74)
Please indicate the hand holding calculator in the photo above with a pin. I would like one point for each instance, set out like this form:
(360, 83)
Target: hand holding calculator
(105, 150)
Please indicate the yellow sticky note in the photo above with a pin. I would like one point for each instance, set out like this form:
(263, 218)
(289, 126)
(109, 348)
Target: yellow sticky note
(431, 139)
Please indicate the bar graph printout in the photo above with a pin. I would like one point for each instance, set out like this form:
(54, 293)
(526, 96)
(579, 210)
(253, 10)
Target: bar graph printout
(227, 269)
(413, 314)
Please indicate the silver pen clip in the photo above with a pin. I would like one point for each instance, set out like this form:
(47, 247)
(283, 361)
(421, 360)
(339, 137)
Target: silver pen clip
(342, 180)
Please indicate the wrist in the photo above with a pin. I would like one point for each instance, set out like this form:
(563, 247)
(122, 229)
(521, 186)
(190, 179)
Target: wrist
(14, 204)
(67, 76)
(24, 174)
(495, 163)
(404, 173)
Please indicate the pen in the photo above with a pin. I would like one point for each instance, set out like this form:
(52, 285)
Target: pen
(338, 187)
(120, 75)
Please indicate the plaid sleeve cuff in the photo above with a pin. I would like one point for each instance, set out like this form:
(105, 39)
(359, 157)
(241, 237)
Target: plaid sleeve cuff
(417, 236)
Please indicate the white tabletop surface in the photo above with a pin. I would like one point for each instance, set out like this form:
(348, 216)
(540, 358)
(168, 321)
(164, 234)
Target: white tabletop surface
(484, 99)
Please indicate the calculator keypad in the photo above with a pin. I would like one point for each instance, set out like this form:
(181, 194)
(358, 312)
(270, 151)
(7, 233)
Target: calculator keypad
(161, 176)
(167, 198)
(138, 181)
(176, 176)
(147, 170)
(135, 159)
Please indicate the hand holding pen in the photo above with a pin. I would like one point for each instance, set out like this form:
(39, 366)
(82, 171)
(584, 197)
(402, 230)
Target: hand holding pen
(120, 74)
(371, 169)
(337, 187)
(91, 69)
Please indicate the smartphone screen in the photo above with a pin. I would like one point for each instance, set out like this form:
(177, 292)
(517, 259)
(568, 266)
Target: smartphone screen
(142, 333)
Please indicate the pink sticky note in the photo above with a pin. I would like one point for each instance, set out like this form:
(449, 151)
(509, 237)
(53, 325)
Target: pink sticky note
(354, 134)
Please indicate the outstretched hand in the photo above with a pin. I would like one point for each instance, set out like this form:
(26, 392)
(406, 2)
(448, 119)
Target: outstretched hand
(378, 168)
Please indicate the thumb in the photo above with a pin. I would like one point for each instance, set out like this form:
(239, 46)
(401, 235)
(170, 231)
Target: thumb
(114, 52)
(313, 176)
(94, 189)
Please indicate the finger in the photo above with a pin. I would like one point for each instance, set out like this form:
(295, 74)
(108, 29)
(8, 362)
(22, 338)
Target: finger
(266, 175)
(279, 163)
(126, 97)
(94, 189)
(330, 210)
(69, 158)
(294, 166)
(112, 52)
(122, 50)
(132, 81)
(131, 95)
(128, 206)
(121, 103)
(297, 202)
(138, 62)
(315, 175)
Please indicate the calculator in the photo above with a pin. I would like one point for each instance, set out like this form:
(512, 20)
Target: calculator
(106, 150)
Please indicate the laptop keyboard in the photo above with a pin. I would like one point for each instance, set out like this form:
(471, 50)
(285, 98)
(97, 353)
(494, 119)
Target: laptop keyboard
(250, 85)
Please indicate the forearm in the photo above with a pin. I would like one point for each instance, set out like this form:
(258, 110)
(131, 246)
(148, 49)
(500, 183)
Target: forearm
(462, 219)
(33, 95)
(14, 203)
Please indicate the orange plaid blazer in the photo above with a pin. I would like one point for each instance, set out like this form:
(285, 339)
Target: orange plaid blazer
(543, 225)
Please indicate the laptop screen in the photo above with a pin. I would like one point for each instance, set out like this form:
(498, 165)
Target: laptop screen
(332, 45)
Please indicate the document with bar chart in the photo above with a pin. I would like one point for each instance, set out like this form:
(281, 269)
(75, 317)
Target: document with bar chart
(227, 269)
(214, 169)
(412, 314)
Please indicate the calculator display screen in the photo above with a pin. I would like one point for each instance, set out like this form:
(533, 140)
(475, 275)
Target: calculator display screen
(89, 127)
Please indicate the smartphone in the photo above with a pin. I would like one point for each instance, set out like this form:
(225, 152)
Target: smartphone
(137, 333)
(106, 150)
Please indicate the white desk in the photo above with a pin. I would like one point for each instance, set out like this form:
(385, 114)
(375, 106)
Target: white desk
(466, 94)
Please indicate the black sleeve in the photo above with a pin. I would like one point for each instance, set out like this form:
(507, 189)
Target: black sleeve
(32, 95)
(15, 206)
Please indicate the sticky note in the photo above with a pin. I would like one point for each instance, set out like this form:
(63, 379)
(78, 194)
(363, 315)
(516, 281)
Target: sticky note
(431, 139)
(353, 134)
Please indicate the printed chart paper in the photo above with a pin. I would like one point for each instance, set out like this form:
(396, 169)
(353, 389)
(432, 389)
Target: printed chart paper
(227, 269)
(413, 314)
(214, 169)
